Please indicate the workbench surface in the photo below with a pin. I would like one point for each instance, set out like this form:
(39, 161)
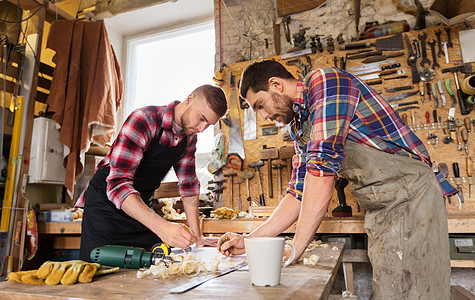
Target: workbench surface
(297, 281)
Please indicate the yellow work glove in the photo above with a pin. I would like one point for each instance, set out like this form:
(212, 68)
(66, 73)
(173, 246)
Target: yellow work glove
(68, 272)
(28, 277)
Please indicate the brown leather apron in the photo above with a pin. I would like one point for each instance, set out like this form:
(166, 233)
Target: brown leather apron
(406, 223)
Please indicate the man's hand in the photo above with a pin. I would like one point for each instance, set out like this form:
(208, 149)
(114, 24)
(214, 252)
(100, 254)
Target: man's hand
(177, 235)
(231, 244)
(207, 241)
(288, 253)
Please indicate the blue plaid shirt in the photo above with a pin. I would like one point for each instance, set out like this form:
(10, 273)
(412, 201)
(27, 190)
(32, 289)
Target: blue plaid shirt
(338, 106)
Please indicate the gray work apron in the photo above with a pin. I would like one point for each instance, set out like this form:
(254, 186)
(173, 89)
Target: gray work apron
(406, 223)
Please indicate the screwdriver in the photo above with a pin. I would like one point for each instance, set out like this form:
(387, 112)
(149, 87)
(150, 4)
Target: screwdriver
(404, 118)
(458, 180)
(459, 140)
(469, 175)
(468, 124)
(465, 139)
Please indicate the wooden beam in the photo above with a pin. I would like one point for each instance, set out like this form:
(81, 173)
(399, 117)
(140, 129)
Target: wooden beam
(462, 263)
(67, 242)
(52, 10)
(60, 227)
(167, 190)
(287, 7)
(460, 293)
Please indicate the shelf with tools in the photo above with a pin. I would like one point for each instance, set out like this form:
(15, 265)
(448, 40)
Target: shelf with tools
(416, 109)
(457, 224)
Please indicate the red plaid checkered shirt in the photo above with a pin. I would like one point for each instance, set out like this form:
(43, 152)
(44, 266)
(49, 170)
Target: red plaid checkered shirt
(141, 127)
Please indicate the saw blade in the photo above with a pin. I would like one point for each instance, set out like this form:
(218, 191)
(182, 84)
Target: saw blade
(236, 144)
(374, 65)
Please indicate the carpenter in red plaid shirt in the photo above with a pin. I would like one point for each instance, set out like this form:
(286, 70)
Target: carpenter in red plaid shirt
(153, 139)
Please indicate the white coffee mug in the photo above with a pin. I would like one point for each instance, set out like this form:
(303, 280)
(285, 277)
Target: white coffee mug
(264, 257)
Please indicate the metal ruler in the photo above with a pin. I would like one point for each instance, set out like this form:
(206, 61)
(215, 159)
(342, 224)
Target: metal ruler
(199, 281)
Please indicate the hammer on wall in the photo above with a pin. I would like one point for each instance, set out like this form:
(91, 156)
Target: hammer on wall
(286, 153)
(257, 166)
(247, 175)
(232, 175)
(342, 210)
(465, 68)
(268, 154)
(279, 165)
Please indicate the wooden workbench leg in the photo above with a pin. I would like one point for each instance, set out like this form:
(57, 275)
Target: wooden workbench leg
(348, 273)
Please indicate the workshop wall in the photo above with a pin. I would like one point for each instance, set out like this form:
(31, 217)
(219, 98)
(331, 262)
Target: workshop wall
(440, 153)
(246, 24)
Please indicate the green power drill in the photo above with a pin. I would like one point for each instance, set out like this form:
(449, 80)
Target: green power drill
(130, 257)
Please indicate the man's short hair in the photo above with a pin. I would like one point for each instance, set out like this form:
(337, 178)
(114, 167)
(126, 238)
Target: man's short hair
(256, 76)
(215, 97)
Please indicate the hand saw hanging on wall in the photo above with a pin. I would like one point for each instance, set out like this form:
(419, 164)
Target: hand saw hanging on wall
(250, 122)
(236, 154)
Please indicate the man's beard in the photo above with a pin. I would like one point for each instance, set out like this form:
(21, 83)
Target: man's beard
(283, 106)
(185, 124)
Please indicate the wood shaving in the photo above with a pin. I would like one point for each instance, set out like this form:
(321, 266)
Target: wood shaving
(346, 294)
(312, 260)
(399, 254)
(77, 213)
(315, 244)
(225, 213)
(169, 213)
(186, 264)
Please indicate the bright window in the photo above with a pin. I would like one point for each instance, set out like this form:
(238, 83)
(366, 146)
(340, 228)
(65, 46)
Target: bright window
(165, 67)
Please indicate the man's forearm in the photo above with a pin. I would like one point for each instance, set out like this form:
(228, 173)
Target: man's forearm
(285, 214)
(316, 197)
(136, 208)
(191, 206)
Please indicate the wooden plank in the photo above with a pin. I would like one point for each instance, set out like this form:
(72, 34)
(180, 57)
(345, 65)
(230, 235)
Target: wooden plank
(460, 293)
(44, 83)
(167, 190)
(211, 226)
(15, 56)
(462, 263)
(10, 86)
(287, 7)
(349, 280)
(41, 97)
(46, 69)
(53, 13)
(297, 281)
(27, 4)
(59, 227)
(12, 71)
(355, 255)
(461, 223)
(67, 242)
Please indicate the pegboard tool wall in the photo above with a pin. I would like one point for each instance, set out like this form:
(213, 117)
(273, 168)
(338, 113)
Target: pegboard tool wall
(440, 153)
